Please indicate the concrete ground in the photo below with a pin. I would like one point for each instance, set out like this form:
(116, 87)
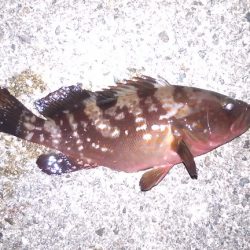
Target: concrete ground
(48, 44)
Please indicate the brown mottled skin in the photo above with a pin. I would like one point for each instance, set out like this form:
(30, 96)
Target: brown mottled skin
(137, 125)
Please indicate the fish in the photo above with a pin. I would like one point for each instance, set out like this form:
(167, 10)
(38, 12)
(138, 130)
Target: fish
(140, 124)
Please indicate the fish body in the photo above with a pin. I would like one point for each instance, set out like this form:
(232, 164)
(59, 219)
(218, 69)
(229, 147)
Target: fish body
(140, 124)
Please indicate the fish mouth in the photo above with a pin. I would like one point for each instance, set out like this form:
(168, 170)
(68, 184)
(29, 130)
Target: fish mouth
(248, 117)
(242, 124)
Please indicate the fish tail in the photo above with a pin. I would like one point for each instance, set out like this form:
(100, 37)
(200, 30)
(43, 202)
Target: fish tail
(12, 114)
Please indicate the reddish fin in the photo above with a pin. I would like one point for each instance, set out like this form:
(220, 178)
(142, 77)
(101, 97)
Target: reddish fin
(152, 177)
(59, 163)
(187, 158)
(66, 98)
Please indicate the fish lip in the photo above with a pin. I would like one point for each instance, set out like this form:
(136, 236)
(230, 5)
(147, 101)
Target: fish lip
(247, 115)
(242, 124)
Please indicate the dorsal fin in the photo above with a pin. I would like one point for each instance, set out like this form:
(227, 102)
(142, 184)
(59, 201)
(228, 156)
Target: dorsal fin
(72, 97)
(65, 98)
(142, 84)
(146, 82)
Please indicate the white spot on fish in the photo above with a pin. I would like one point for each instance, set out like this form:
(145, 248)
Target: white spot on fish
(29, 136)
(84, 124)
(88, 139)
(80, 162)
(115, 133)
(155, 127)
(136, 111)
(147, 137)
(126, 132)
(130, 101)
(165, 97)
(29, 126)
(152, 108)
(161, 127)
(55, 141)
(142, 127)
(167, 115)
(41, 138)
(120, 116)
(96, 146)
(51, 160)
(73, 124)
(79, 141)
(102, 126)
(176, 132)
(139, 119)
(51, 127)
(80, 148)
(75, 134)
(104, 149)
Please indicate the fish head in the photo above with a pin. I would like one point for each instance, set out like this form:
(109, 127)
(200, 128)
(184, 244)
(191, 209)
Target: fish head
(238, 115)
(228, 118)
(215, 119)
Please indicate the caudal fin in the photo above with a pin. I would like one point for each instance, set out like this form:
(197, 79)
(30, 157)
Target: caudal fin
(12, 113)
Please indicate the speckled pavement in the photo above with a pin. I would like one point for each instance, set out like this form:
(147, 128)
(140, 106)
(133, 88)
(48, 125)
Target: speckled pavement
(48, 44)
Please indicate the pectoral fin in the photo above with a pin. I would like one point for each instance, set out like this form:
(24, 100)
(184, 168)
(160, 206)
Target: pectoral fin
(187, 158)
(152, 177)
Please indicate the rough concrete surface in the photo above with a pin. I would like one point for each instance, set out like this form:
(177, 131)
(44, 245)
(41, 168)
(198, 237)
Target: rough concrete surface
(48, 44)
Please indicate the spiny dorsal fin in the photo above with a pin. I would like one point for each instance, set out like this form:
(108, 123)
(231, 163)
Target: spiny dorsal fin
(65, 98)
(146, 82)
(72, 97)
(142, 85)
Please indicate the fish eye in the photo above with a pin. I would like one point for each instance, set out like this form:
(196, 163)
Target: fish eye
(229, 106)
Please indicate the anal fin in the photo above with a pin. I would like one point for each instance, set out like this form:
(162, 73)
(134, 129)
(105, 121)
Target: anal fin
(152, 177)
(58, 163)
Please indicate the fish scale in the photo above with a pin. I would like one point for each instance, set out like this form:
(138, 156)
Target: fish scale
(140, 124)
